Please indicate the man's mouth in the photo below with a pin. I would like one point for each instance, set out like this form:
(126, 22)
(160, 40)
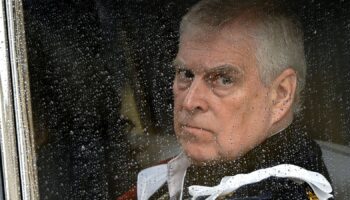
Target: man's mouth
(192, 132)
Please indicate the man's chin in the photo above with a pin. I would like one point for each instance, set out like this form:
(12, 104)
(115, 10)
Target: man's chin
(201, 157)
(206, 157)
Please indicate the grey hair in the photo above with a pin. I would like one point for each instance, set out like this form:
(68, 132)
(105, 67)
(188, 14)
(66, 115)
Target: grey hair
(277, 33)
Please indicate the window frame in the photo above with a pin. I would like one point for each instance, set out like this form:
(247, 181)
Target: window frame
(16, 125)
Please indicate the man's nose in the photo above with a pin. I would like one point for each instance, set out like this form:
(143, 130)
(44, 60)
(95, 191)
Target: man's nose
(197, 97)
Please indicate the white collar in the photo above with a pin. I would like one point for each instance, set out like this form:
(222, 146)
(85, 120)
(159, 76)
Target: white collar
(151, 179)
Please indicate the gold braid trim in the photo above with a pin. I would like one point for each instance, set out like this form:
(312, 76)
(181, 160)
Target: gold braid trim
(311, 195)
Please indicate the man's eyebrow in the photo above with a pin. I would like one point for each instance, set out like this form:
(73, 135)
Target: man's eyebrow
(226, 68)
(178, 64)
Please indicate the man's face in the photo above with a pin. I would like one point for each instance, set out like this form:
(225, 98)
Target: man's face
(222, 109)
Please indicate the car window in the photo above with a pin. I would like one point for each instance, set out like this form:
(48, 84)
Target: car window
(101, 75)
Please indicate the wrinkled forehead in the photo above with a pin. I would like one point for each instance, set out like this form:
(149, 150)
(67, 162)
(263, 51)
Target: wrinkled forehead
(247, 22)
(236, 33)
(205, 49)
(236, 38)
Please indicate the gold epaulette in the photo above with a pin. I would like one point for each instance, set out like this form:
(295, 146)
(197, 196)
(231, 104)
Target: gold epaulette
(311, 195)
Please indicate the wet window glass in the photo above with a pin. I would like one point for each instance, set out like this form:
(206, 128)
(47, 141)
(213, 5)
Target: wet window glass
(101, 75)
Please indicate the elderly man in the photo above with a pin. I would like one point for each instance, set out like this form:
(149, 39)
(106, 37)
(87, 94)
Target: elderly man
(240, 69)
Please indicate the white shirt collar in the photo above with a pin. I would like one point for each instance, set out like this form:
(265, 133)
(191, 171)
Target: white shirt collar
(151, 179)
(176, 173)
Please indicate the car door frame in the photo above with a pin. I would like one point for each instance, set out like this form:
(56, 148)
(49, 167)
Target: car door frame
(18, 159)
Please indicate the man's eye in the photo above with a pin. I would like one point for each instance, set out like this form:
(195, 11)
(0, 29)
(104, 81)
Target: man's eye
(184, 74)
(224, 81)
(221, 80)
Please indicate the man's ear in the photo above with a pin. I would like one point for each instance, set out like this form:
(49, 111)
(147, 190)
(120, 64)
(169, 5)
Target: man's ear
(282, 95)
